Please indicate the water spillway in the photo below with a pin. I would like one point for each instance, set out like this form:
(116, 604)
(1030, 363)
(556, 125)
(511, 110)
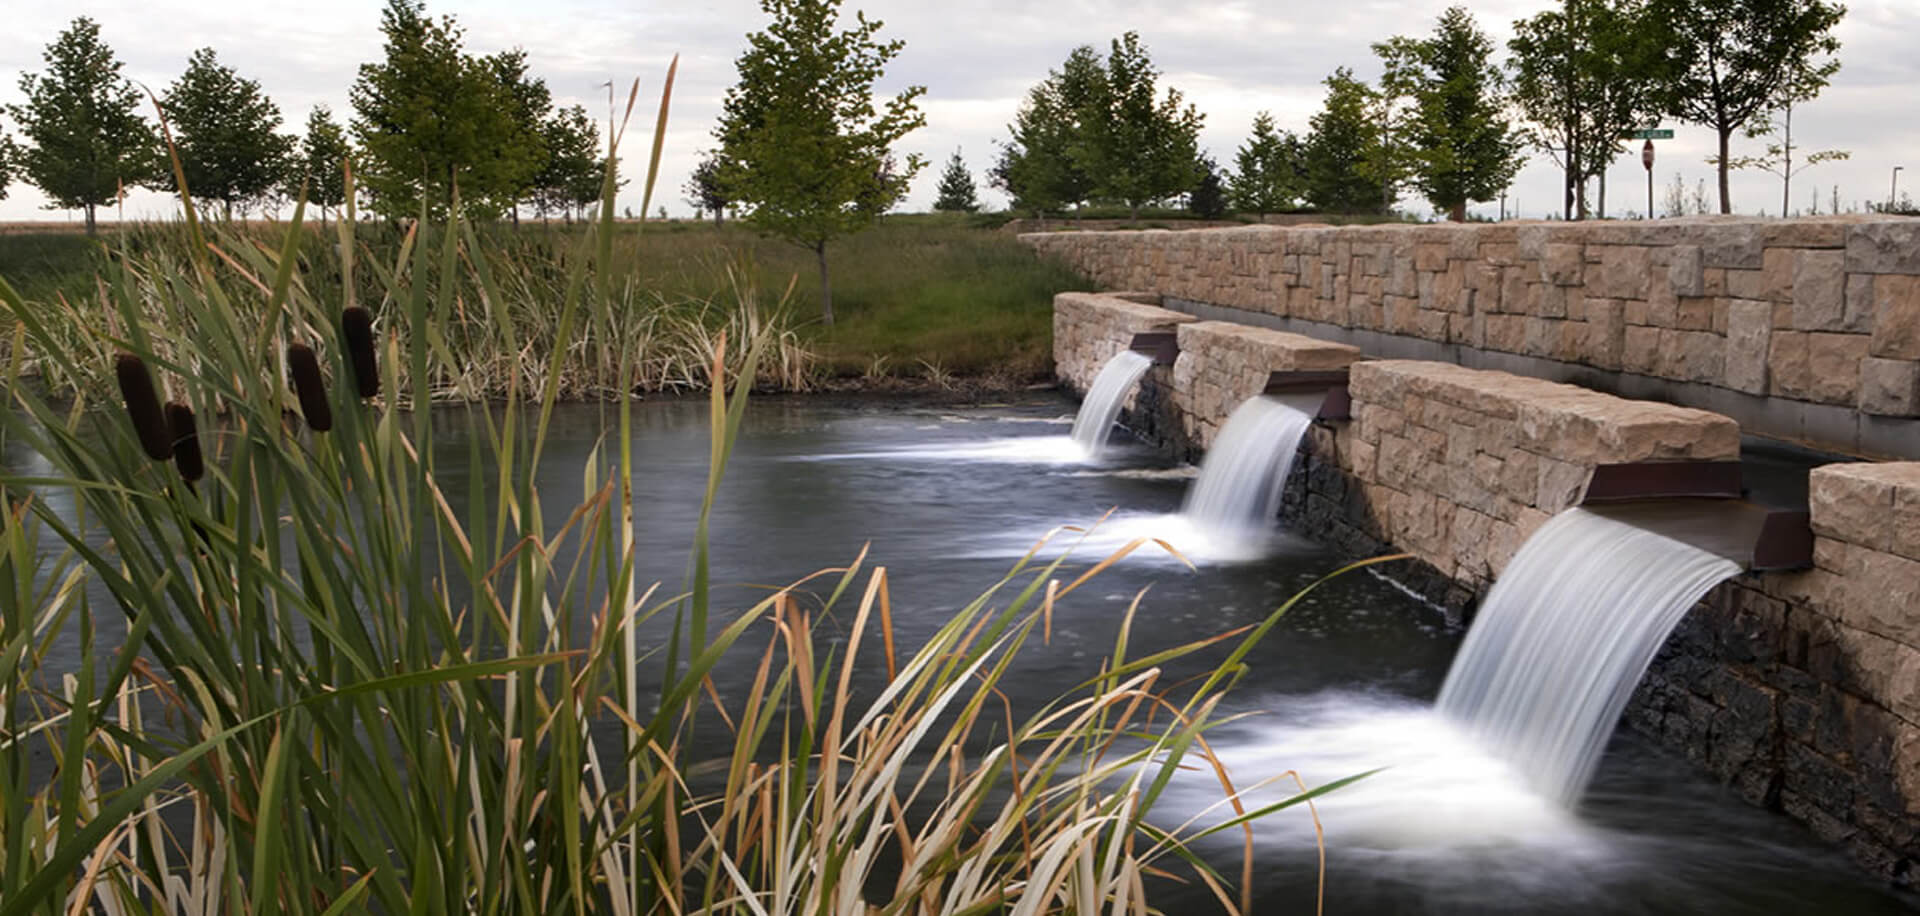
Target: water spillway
(1094, 423)
(1564, 635)
(1238, 490)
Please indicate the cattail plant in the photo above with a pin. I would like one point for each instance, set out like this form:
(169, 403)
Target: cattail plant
(356, 330)
(309, 387)
(143, 406)
(186, 442)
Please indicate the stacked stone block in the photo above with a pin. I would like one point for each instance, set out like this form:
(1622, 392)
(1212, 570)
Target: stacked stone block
(1222, 364)
(1089, 328)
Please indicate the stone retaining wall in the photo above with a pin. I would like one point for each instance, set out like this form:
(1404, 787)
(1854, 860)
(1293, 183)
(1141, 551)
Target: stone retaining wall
(1800, 329)
(1089, 328)
(1222, 364)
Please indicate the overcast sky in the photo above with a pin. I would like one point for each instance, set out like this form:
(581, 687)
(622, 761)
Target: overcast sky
(977, 58)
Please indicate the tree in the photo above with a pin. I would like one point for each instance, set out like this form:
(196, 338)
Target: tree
(1461, 145)
(1583, 76)
(1042, 168)
(429, 118)
(516, 159)
(8, 153)
(1779, 156)
(704, 191)
(956, 188)
(1208, 199)
(572, 170)
(226, 133)
(805, 146)
(320, 164)
(87, 139)
(1342, 134)
(1268, 172)
(1738, 59)
(1138, 146)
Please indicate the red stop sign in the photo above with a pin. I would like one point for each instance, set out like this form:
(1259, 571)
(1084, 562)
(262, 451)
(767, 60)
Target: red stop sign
(1646, 155)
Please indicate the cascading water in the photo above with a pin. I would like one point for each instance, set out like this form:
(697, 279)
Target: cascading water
(1238, 490)
(1102, 407)
(1562, 638)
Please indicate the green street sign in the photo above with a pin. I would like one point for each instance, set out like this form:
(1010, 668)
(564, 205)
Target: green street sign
(1647, 135)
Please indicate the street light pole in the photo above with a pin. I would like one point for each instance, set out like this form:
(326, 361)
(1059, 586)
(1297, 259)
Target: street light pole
(1893, 190)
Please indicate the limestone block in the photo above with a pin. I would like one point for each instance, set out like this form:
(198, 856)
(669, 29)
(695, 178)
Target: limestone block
(1776, 273)
(1788, 374)
(1560, 484)
(1734, 245)
(1623, 273)
(1896, 316)
(1520, 476)
(1752, 284)
(1685, 276)
(1553, 300)
(1889, 246)
(1663, 307)
(1564, 265)
(1604, 326)
(1871, 504)
(1714, 282)
(1859, 307)
(1430, 256)
(1833, 367)
(1698, 314)
(1640, 350)
(1876, 592)
(1591, 428)
(1819, 290)
(1890, 387)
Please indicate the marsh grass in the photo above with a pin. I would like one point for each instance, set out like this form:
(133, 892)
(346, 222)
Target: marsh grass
(337, 694)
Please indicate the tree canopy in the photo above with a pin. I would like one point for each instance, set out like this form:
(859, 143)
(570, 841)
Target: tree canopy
(703, 188)
(226, 133)
(1460, 143)
(320, 162)
(807, 148)
(957, 193)
(572, 169)
(1042, 167)
(86, 139)
(1737, 60)
(1140, 146)
(8, 153)
(1269, 172)
(1343, 133)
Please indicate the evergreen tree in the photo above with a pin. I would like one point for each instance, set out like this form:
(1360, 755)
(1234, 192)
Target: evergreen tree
(86, 138)
(1462, 147)
(704, 191)
(573, 171)
(1041, 166)
(320, 164)
(1336, 150)
(957, 193)
(517, 160)
(226, 133)
(805, 147)
(429, 118)
(1138, 146)
(1208, 199)
(1737, 60)
(1268, 170)
(1583, 75)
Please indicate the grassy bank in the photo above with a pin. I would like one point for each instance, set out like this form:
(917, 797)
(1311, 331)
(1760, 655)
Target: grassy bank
(926, 297)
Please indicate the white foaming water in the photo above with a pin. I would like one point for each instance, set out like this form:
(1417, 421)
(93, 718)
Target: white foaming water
(1562, 638)
(1238, 491)
(1008, 450)
(1195, 543)
(1102, 406)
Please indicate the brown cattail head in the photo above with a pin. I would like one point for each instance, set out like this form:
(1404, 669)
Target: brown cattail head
(143, 406)
(310, 388)
(186, 442)
(356, 327)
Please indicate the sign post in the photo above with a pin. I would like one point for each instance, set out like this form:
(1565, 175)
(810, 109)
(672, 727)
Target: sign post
(1646, 159)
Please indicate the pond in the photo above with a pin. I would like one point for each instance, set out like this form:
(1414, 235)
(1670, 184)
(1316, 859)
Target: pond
(948, 498)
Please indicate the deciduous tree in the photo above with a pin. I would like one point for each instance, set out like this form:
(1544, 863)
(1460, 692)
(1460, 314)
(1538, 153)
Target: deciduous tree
(86, 139)
(1736, 60)
(573, 169)
(1269, 173)
(8, 153)
(957, 193)
(1140, 146)
(226, 133)
(1779, 156)
(1208, 199)
(1041, 167)
(1342, 134)
(320, 164)
(1460, 143)
(807, 147)
(704, 191)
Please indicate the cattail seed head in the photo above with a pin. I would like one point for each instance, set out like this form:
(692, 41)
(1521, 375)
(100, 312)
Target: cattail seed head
(143, 406)
(311, 389)
(356, 327)
(186, 442)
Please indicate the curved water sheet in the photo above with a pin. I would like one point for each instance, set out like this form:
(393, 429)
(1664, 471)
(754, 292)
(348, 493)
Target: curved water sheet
(1562, 638)
(1102, 407)
(1237, 494)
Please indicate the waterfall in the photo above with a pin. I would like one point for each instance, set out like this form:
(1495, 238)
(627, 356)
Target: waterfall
(1238, 490)
(1562, 638)
(1102, 406)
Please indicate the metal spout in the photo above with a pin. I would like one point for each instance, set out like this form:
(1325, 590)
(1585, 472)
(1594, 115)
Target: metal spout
(1162, 346)
(1338, 404)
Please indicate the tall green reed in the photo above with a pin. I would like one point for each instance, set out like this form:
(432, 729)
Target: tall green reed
(336, 693)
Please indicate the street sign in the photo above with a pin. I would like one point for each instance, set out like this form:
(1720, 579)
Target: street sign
(1647, 135)
(1646, 155)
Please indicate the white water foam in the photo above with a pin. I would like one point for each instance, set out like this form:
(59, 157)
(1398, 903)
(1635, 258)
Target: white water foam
(1562, 638)
(1102, 406)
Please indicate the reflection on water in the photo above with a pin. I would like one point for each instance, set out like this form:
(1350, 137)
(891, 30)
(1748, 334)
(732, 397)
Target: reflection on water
(946, 499)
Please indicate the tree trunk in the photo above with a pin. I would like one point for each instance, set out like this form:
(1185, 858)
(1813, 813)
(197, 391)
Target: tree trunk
(515, 211)
(1458, 212)
(826, 286)
(1600, 211)
(719, 217)
(1133, 212)
(1726, 197)
(90, 224)
(1786, 163)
